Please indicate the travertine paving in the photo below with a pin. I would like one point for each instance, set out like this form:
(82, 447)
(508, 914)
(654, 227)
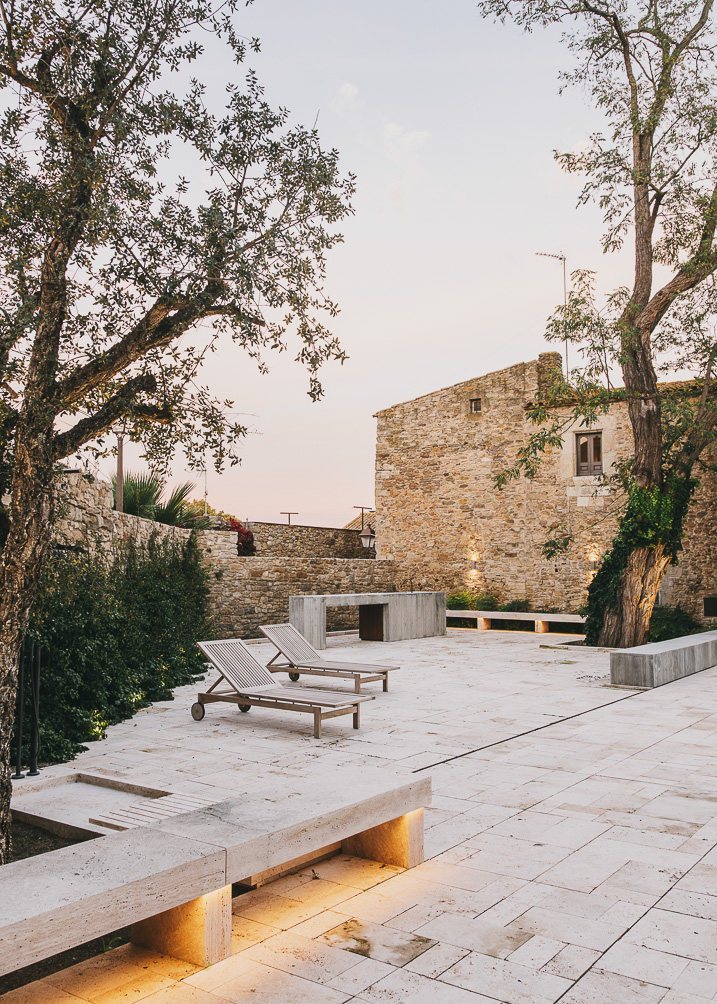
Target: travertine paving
(571, 845)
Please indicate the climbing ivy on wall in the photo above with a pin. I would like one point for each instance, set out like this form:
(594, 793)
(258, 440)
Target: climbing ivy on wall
(654, 516)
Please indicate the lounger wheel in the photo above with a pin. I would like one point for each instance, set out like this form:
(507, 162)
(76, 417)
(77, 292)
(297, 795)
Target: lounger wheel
(245, 707)
(198, 711)
(294, 676)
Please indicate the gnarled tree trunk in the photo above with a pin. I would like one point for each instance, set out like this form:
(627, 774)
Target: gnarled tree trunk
(31, 512)
(627, 622)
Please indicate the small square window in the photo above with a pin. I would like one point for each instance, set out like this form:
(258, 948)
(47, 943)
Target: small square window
(588, 450)
(475, 405)
(710, 606)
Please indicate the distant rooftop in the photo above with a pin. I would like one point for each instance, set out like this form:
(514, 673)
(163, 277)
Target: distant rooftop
(369, 519)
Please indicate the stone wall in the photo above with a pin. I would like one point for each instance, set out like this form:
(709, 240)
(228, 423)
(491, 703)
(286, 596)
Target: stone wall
(85, 515)
(243, 592)
(274, 539)
(247, 592)
(438, 512)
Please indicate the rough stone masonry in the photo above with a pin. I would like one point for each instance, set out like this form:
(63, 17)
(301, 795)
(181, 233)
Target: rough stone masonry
(244, 592)
(441, 518)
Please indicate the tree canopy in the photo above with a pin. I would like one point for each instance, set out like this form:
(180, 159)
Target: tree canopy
(133, 213)
(649, 67)
(138, 227)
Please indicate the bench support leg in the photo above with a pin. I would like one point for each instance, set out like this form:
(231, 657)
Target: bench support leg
(198, 932)
(542, 627)
(483, 623)
(317, 723)
(398, 842)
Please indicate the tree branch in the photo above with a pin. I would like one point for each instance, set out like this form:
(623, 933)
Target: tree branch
(124, 91)
(120, 406)
(162, 323)
(687, 278)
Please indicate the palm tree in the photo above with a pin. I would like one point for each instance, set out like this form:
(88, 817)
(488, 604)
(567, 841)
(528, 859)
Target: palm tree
(143, 495)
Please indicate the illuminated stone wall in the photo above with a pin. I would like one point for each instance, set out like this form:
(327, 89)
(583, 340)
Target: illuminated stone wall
(438, 511)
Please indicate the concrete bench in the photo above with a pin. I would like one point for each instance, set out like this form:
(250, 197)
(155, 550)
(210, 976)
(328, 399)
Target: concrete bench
(172, 880)
(542, 621)
(662, 662)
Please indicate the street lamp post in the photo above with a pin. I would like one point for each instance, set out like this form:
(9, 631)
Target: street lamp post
(119, 486)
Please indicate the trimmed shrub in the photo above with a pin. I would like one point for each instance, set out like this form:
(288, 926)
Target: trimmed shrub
(119, 632)
(460, 600)
(464, 599)
(485, 601)
(515, 606)
(672, 622)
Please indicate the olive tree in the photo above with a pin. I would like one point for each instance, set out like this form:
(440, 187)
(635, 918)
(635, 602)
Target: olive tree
(139, 229)
(649, 68)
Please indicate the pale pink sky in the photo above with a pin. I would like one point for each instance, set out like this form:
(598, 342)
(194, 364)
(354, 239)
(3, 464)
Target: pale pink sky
(450, 123)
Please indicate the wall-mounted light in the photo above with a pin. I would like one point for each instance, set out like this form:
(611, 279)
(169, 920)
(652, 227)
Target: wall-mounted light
(593, 565)
(474, 565)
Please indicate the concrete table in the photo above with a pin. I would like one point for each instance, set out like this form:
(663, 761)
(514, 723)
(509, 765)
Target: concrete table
(382, 616)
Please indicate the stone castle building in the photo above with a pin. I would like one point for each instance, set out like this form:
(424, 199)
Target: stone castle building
(441, 519)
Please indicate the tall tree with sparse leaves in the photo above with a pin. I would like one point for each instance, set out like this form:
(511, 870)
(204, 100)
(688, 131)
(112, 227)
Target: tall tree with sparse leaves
(132, 215)
(649, 67)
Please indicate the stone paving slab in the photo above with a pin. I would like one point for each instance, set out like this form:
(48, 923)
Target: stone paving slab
(571, 844)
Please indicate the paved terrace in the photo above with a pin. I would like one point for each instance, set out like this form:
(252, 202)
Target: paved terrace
(576, 862)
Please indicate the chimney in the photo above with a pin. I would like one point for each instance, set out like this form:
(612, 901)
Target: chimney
(550, 371)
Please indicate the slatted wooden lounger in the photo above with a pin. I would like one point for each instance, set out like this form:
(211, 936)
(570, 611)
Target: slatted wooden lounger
(251, 684)
(301, 657)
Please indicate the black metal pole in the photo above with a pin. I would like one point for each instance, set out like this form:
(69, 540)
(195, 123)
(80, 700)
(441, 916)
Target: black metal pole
(35, 734)
(18, 717)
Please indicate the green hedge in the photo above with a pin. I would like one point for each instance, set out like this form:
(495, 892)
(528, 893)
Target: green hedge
(674, 622)
(120, 632)
(463, 599)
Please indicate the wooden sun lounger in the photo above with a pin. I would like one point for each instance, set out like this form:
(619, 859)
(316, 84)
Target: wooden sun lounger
(252, 685)
(301, 657)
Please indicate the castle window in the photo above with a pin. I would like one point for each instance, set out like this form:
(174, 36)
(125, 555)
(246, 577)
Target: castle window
(475, 406)
(710, 607)
(589, 453)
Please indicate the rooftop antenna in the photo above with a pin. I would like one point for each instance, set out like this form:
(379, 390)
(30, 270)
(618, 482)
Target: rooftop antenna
(289, 514)
(561, 257)
(363, 509)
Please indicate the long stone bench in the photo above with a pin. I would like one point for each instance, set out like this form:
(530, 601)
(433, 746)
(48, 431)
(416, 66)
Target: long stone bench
(542, 620)
(172, 880)
(663, 662)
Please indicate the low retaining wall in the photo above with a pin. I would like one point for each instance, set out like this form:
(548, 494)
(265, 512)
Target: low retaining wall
(247, 592)
(243, 592)
(663, 661)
